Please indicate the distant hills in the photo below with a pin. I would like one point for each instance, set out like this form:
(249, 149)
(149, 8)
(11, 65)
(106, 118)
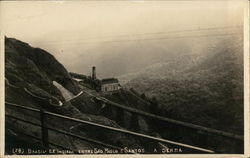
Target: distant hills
(201, 88)
(204, 88)
(119, 58)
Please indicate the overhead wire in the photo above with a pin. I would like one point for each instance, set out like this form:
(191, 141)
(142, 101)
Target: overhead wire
(73, 41)
(148, 39)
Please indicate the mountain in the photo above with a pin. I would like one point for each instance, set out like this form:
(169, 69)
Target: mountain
(35, 67)
(185, 87)
(204, 88)
(112, 58)
(30, 77)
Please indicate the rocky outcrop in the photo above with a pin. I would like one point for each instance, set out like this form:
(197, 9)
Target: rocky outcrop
(29, 76)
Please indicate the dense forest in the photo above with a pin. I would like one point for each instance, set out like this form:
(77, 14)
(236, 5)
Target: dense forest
(204, 88)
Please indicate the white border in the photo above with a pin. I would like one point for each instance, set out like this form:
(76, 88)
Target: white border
(246, 105)
(246, 80)
(2, 98)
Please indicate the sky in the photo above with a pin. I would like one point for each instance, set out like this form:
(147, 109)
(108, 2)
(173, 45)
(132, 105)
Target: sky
(77, 33)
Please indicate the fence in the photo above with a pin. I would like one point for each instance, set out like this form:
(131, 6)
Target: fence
(45, 131)
(186, 132)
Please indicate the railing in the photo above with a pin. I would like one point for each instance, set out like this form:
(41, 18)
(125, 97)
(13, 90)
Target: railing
(180, 131)
(180, 123)
(45, 131)
(198, 130)
(165, 119)
(187, 132)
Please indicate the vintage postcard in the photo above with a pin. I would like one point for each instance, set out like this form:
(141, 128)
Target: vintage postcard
(125, 78)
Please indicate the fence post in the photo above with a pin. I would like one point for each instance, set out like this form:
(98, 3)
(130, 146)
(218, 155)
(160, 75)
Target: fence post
(134, 122)
(120, 116)
(44, 130)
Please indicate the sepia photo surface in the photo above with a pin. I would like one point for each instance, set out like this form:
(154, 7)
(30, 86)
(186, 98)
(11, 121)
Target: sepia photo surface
(124, 77)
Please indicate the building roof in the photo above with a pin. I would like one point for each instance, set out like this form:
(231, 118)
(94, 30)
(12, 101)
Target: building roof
(109, 80)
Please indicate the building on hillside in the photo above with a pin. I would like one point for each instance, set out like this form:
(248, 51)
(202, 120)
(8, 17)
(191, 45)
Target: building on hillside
(104, 85)
(109, 84)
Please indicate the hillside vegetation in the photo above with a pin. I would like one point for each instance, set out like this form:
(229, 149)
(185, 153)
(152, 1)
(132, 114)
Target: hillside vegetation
(29, 76)
(204, 88)
(201, 88)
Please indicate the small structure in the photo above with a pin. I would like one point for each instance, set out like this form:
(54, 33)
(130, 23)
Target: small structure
(109, 84)
(93, 73)
(104, 85)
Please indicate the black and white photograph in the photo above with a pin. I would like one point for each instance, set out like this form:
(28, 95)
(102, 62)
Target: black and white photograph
(124, 77)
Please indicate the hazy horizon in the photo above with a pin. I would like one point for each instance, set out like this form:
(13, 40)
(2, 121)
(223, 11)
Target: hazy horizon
(123, 36)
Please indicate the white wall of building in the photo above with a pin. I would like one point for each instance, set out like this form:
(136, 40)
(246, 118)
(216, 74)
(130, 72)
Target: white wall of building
(109, 87)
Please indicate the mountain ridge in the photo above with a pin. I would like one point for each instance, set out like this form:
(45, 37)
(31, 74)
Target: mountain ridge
(29, 76)
(213, 80)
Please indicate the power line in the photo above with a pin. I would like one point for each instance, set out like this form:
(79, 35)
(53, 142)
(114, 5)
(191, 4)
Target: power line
(143, 34)
(149, 39)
